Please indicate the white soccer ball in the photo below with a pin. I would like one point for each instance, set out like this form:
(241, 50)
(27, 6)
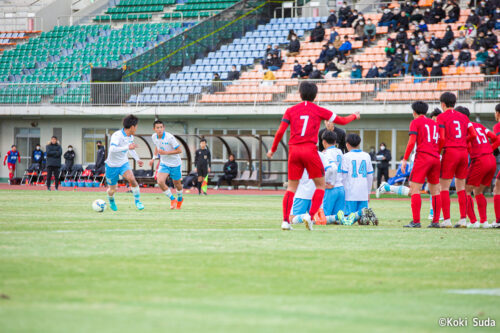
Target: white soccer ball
(99, 205)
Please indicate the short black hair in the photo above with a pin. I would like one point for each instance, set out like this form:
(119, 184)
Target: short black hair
(203, 140)
(70, 146)
(330, 137)
(157, 121)
(497, 108)
(420, 107)
(436, 112)
(130, 121)
(308, 91)
(353, 139)
(98, 142)
(54, 137)
(449, 99)
(12, 146)
(464, 110)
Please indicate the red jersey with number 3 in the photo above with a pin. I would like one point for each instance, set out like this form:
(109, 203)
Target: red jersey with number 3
(427, 133)
(480, 145)
(305, 120)
(456, 125)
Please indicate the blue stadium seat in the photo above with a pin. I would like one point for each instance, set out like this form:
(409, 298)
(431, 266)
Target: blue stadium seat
(147, 98)
(161, 90)
(154, 98)
(154, 90)
(140, 98)
(273, 20)
(147, 90)
(223, 76)
(241, 46)
(197, 90)
(163, 99)
(132, 99)
(223, 48)
(206, 62)
(168, 90)
(240, 54)
(213, 62)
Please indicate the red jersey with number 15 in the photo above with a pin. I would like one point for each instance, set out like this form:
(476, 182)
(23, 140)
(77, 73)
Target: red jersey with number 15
(305, 120)
(456, 126)
(481, 145)
(427, 133)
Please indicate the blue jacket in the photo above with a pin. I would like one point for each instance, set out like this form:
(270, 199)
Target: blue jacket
(347, 46)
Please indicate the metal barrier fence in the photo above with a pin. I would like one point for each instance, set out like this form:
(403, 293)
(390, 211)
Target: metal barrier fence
(25, 23)
(478, 88)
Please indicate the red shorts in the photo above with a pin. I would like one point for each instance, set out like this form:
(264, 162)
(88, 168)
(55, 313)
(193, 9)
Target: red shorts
(455, 163)
(11, 166)
(303, 157)
(425, 167)
(482, 170)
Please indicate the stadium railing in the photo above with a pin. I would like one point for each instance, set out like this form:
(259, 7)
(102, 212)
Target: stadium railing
(24, 23)
(398, 90)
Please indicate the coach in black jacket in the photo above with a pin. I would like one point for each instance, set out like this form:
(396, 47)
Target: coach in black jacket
(340, 136)
(383, 157)
(100, 158)
(54, 153)
(230, 171)
(202, 163)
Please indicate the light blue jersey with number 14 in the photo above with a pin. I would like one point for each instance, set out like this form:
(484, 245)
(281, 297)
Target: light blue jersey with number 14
(358, 173)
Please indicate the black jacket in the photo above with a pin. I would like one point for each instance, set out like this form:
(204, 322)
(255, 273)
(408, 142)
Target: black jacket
(372, 72)
(101, 157)
(340, 139)
(203, 158)
(387, 154)
(436, 71)
(318, 34)
(231, 168)
(332, 19)
(448, 61)
(233, 75)
(54, 153)
(69, 159)
(294, 46)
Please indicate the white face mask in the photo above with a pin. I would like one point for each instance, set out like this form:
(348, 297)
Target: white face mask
(70, 149)
(382, 148)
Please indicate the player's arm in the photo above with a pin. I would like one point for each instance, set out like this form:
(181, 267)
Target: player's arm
(279, 135)
(494, 140)
(332, 117)
(155, 156)
(115, 148)
(369, 183)
(136, 157)
(410, 145)
(177, 150)
(5, 158)
(442, 138)
(331, 173)
(471, 132)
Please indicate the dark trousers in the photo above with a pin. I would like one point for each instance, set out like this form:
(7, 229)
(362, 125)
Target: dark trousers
(382, 171)
(53, 171)
(226, 178)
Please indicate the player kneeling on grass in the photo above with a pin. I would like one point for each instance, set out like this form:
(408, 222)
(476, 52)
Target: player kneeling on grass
(357, 170)
(168, 150)
(117, 162)
(424, 132)
(481, 171)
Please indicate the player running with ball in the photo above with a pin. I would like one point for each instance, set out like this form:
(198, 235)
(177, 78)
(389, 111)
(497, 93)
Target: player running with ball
(121, 143)
(168, 150)
(304, 120)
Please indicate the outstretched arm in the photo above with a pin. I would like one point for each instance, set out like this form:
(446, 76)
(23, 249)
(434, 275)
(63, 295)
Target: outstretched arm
(277, 137)
(346, 120)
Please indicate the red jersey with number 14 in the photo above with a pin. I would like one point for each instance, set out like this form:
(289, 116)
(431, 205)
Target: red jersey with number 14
(456, 126)
(481, 145)
(427, 133)
(304, 120)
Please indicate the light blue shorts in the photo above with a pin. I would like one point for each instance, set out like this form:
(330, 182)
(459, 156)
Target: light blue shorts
(113, 174)
(334, 200)
(300, 206)
(174, 172)
(355, 206)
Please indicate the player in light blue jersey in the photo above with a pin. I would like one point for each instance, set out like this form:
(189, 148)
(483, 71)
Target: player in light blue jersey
(121, 143)
(357, 173)
(334, 200)
(168, 150)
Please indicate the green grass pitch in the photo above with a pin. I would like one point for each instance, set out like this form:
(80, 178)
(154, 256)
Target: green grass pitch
(223, 264)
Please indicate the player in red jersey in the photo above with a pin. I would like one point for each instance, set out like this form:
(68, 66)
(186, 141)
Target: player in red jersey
(12, 157)
(496, 191)
(424, 132)
(455, 130)
(481, 171)
(304, 120)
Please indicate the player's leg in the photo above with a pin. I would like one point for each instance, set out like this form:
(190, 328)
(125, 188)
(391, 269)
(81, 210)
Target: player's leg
(394, 189)
(482, 206)
(435, 199)
(11, 167)
(460, 177)
(176, 175)
(112, 175)
(49, 177)
(445, 199)
(288, 201)
(488, 165)
(496, 201)
(473, 181)
(300, 207)
(134, 186)
(161, 179)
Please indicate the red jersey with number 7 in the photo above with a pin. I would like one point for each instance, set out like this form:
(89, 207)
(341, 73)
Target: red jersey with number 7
(427, 134)
(456, 127)
(305, 120)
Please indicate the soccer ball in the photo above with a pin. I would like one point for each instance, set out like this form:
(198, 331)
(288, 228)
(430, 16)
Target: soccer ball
(99, 205)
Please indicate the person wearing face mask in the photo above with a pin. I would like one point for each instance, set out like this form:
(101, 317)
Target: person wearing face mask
(473, 18)
(490, 40)
(69, 158)
(372, 72)
(370, 30)
(318, 33)
(345, 47)
(332, 19)
(315, 74)
(448, 37)
(490, 63)
(344, 13)
(54, 152)
(37, 156)
(383, 157)
(307, 69)
(293, 47)
(322, 55)
(387, 19)
(448, 60)
(356, 72)
(297, 70)
(330, 53)
(100, 158)
(452, 11)
(422, 26)
(436, 70)
(464, 57)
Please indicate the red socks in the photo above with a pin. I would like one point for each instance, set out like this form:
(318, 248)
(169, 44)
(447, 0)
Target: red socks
(436, 207)
(11, 175)
(462, 203)
(496, 201)
(445, 201)
(470, 210)
(481, 207)
(287, 205)
(416, 204)
(317, 200)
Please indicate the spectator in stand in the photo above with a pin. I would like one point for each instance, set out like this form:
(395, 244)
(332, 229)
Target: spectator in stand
(481, 56)
(268, 62)
(360, 33)
(473, 18)
(318, 33)
(421, 72)
(435, 43)
(37, 156)
(234, 74)
(307, 69)
(331, 21)
(356, 72)
(100, 158)
(276, 63)
(452, 11)
(448, 37)
(276, 51)
(372, 72)
(315, 74)
(291, 33)
(297, 70)
(423, 49)
(464, 57)
(338, 42)
(416, 16)
(216, 84)
(333, 35)
(370, 31)
(448, 60)
(436, 70)
(390, 49)
(490, 64)
(413, 46)
(54, 153)
(402, 36)
(269, 78)
(479, 41)
(293, 47)
(330, 53)
(344, 14)
(356, 19)
(387, 19)
(230, 170)
(408, 7)
(422, 27)
(331, 68)
(269, 49)
(322, 55)
(491, 40)
(407, 61)
(483, 8)
(346, 47)
(459, 42)
(470, 32)
(437, 14)
(345, 66)
(69, 158)
(427, 16)
(403, 20)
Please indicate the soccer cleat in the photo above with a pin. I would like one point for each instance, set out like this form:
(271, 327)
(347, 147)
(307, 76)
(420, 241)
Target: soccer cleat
(204, 193)
(286, 226)
(372, 216)
(495, 225)
(139, 205)
(216, 188)
(350, 219)
(473, 225)
(381, 189)
(112, 205)
(173, 204)
(485, 225)
(365, 217)
(307, 221)
(445, 224)
(434, 225)
(340, 217)
(179, 204)
(319, 217)
(462, 223)
(412, 225)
